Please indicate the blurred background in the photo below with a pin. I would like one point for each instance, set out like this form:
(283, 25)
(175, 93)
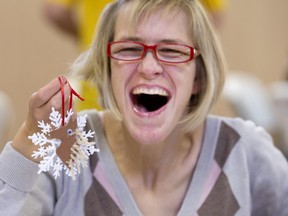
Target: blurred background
(254, 34)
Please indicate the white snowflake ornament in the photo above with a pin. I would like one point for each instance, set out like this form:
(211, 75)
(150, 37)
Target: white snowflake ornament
(65, 147)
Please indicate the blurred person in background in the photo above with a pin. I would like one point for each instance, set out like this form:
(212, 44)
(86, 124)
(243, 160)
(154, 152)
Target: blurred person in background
(6, 117)
(216, 9)
(78, 19)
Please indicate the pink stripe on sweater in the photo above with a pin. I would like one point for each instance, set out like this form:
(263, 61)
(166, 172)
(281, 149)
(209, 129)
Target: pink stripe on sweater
(102, 179)
(213, 176)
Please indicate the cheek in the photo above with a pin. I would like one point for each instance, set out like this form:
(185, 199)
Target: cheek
(113, 80)
(196, 86)
(117, 74)
(187, 81)
(188, 87)
(119, 78)
(121, 72)
(114, 83)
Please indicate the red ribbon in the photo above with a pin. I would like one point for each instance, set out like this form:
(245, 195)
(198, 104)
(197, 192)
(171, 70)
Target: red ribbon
(63, 81)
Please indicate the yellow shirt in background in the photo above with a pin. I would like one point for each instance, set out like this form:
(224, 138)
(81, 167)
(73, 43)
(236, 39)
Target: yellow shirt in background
(88, 11)
(214, 5)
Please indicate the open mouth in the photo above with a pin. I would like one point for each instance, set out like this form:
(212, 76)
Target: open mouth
(149, 100)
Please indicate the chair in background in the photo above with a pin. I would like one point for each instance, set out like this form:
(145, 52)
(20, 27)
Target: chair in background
(267, 106)
(250, 99)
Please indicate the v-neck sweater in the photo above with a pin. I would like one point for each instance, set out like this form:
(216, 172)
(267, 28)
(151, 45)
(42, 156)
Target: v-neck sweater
(239, 172)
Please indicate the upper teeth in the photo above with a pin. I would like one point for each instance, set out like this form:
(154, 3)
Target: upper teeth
(150, 91)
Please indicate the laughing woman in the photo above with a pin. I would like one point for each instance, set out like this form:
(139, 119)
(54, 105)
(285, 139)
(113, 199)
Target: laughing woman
(159, 70)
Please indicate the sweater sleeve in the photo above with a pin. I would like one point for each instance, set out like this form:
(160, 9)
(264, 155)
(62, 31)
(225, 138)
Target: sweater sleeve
(268, 174)
(18, 177)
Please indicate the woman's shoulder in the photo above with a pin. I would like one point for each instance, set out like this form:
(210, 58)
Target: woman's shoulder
(250, 139)
(247, 130)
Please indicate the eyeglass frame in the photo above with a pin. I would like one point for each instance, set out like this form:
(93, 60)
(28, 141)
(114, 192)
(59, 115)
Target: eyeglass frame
(193, 52)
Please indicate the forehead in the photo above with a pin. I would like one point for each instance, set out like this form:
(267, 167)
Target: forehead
(149, 24)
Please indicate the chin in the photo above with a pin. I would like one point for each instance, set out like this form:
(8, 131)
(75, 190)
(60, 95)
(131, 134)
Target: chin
(148, 135)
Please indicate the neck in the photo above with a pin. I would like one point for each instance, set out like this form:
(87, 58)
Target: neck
(152, 163)
(156, 155)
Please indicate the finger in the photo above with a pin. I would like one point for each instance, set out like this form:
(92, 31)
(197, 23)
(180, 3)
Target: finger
(43, 95)
(60, 99)
(42, 112)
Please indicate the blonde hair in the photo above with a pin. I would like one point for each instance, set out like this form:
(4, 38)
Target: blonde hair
(210, 67)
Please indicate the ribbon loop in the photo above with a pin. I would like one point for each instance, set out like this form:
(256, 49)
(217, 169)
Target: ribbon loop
(63, 81)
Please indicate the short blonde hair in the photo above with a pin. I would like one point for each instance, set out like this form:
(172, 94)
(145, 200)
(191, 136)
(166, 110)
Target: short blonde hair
(210, 67)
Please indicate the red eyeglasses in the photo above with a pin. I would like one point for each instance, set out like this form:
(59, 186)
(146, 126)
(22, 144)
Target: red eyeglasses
(169, 53)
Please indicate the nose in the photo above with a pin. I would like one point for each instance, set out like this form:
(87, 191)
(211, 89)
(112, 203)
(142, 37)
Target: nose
(149, 67)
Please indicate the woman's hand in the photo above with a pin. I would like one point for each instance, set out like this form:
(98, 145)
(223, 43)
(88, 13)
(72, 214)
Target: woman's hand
(40, 105)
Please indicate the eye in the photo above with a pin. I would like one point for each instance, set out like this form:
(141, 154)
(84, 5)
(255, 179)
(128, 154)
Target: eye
(130, 51)
(169, 52)
(124, 49)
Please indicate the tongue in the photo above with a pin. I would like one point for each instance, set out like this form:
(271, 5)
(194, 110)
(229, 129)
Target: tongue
(141, 109)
